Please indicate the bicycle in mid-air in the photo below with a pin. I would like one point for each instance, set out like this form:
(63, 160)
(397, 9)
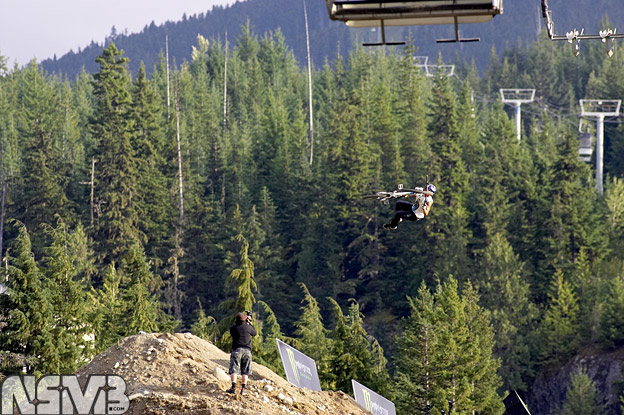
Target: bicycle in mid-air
(400, 192)
(403, 209)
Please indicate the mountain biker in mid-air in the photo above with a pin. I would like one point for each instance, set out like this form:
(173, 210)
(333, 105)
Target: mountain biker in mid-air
(416, 211)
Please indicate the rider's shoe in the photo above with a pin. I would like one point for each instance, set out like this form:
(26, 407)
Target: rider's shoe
(231, 390)
(389, 226)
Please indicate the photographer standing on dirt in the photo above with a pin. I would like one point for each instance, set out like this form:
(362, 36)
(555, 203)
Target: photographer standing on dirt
(240, 358)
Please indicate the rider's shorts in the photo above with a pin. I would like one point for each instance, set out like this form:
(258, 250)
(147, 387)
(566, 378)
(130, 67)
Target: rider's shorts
(240, 361)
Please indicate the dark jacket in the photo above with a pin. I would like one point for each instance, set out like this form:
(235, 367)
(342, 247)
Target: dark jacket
(241, 335)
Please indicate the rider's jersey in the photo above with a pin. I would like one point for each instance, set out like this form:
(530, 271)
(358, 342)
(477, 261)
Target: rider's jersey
(423, 206)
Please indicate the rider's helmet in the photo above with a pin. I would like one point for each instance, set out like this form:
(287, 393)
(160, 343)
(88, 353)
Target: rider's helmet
(431, 188)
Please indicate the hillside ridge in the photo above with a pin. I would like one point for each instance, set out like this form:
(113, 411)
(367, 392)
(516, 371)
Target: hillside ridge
(520, 23)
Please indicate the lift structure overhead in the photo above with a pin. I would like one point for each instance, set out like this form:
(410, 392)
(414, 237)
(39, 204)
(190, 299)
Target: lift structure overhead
(370, 13)
(574, 37)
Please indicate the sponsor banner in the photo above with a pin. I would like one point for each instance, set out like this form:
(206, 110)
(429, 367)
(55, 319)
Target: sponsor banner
(300, 369)
(372, 401)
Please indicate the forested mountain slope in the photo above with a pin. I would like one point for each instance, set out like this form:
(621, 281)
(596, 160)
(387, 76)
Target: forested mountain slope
(519, 24)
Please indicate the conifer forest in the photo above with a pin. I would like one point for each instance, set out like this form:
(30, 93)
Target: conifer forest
(174, 197)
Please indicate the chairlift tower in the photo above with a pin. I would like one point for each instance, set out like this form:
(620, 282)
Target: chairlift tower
(421, 61)
(432, 70)
(599, 109)
(517, 97)
(440, 70)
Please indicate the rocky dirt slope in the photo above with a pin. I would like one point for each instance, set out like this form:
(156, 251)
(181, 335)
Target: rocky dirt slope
(183, 374)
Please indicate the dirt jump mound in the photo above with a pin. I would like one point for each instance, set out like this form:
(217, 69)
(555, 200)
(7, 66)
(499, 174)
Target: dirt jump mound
(184, 374)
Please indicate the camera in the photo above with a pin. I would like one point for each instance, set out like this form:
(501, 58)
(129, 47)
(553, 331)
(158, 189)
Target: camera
(249, 316)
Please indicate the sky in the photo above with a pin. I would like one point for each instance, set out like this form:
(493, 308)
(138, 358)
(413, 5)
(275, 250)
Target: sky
(42, 28)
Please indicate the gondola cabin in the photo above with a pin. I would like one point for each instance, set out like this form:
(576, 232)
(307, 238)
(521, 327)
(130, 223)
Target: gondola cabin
(586, 146)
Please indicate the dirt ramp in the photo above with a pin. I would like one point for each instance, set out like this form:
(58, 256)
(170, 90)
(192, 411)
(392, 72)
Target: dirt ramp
(184, 374)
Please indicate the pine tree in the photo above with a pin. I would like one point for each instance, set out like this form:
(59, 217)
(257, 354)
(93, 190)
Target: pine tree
(153, 199)
(505, 293)
(269, 257)
(545, 76)
(271, 156)
(204, 246)
(312, 336)
(612, 317)
(142, 309)
(582, 397)
(444, 358)
(614, 198)
(494, 172)
(469, 130)
(352, 354)
(117, 225)
(532, 202)
(30, 313)
(385, 134)
(589, 285)
(572, 224)
(269, 353)
(244, 278)
(345, 158)
(414, 146)
(44, 180)
(453, 335)
(559, 327)
(205, 326)
(481, 364)
(244, 281)
(447, 223)
(72, 149)
(66, 286)
(107, 310)
(415, 358)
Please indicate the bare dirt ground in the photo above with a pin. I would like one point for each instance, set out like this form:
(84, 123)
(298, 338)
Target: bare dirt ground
(184, 374)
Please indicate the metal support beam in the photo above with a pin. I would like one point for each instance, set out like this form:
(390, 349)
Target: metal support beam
(599, 152)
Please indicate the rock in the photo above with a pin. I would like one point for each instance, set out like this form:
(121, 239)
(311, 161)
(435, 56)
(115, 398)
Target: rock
(268, 388)
(281, 397)
(221, 375)
(288, 401)
(140, 393)
(549, 389)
